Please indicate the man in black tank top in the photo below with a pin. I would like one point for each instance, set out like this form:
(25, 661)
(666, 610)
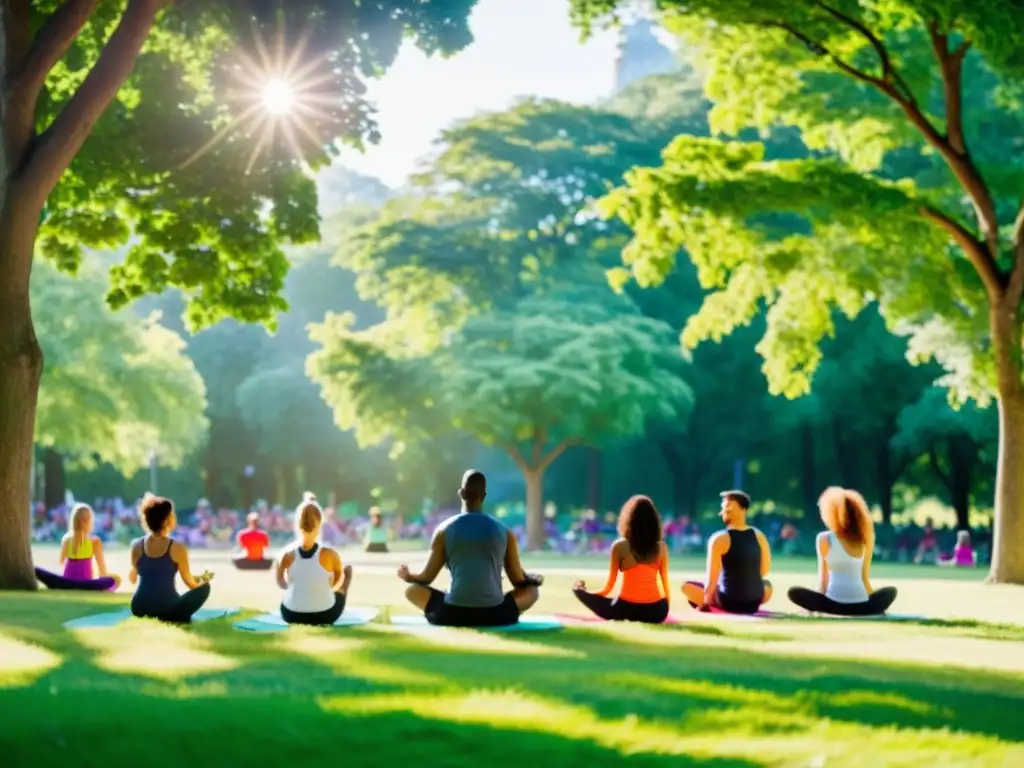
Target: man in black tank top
(739, 558)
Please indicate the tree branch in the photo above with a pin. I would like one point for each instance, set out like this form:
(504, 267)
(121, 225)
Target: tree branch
(973, 248)
(17, 36)
(517, 457)
(1015, 287)
(540, 437)
(958, 161)
(561, 448)
(58, 145)
(889, 73)
(51, 42)
(951, 64)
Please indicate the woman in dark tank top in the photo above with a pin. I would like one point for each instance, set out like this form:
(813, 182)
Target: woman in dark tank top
(156, 559)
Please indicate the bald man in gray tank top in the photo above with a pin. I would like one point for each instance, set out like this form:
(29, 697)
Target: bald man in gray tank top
(475, 547)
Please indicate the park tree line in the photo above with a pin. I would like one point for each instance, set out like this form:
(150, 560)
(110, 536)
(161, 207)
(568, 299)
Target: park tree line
(777, 232)
(538, 375)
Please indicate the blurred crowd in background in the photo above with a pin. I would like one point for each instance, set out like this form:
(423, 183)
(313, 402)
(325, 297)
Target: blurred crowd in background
(585, 533)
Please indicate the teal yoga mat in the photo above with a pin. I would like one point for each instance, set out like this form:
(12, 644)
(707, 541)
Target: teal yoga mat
(113, 618)
(272, 622)
(526, 624)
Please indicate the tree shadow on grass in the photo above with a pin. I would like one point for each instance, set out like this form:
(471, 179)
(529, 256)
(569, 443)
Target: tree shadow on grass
(617, 678)
(228, 724)
(268, 689)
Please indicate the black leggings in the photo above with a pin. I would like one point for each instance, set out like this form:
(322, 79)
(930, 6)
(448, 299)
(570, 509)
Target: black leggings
(244, 563)
(878, 602)
(54, 581)
(320, 619)
(623, 610)
(181, 613)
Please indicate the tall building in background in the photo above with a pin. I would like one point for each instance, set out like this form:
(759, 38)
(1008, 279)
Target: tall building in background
(640, 53)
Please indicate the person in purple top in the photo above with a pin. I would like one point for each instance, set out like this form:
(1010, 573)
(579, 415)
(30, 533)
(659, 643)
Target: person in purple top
(78, 549)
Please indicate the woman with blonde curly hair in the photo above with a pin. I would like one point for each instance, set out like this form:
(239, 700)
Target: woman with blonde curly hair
(844, 560)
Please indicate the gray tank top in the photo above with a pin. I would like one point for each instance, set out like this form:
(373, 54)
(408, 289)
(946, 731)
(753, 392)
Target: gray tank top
(474, 547)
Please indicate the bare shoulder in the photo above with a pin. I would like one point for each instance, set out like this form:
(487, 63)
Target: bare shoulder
(97, 542)
(620, 546)
(177, 550)
(329, 557)
(287, 557)
(760, 536)
(719, 539)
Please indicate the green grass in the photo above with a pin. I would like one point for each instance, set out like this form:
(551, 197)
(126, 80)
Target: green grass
(711, 692)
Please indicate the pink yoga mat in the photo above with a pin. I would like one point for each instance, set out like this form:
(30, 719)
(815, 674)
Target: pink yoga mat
(762, 614)
(569, 619)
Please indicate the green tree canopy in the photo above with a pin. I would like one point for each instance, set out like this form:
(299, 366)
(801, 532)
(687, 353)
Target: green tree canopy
(913, 200)
(116, 388)
(143, 123)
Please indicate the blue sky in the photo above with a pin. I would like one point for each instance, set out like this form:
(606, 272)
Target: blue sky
(521, 48)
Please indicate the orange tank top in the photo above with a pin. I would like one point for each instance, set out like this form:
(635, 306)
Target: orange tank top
(641, 583)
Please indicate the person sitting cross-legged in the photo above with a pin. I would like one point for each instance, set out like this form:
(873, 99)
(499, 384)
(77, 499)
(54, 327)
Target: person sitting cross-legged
(642, 556)
(475, 547)
(844, 560)
(739, 558)
(156, 559)
(253, 543)
(314, 581)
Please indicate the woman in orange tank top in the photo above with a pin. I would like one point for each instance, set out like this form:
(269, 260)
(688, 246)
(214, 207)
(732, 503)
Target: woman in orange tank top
(642, 557)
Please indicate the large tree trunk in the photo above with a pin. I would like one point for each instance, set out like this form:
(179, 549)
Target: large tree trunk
(535, 538)
(1008, 518)
(21, 368)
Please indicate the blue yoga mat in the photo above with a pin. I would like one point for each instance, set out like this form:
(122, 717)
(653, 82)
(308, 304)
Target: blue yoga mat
(526, 624)
(272, 622)
(113, 618)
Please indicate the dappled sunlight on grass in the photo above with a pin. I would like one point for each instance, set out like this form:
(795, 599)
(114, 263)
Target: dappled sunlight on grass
(807, 702)
(22, 663)
(475, 641)
(519, 711)
(153, 649)
(349, 657)
(768, 737)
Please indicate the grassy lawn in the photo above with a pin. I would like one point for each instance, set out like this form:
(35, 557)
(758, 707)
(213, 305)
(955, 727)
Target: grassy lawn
(710, 692)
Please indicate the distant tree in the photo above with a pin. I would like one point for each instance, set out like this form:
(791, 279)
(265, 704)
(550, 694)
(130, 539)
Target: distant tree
(564, 367)
(116, 388)
(957, 447)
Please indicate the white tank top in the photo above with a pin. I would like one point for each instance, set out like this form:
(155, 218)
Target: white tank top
(845, 583)
(309, 585)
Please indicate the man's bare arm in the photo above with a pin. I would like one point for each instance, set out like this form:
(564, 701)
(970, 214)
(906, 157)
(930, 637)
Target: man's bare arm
(435, 562)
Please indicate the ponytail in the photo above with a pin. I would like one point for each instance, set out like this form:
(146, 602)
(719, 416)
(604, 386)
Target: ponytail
(308, 514)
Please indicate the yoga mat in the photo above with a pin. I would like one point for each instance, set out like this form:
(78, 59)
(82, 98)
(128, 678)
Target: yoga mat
(113, 618)
(272, 622)
(570, 619)
(526, 624)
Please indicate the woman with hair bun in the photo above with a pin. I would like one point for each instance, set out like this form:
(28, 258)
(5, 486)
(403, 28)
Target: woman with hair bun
(642, 557)
(844, 560)
(314, 582)
(156, 559)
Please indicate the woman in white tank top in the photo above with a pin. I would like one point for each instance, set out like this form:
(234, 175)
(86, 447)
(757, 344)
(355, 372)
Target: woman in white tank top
(844, 560)
(314, 582)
